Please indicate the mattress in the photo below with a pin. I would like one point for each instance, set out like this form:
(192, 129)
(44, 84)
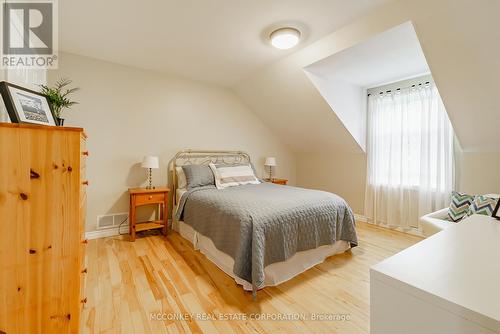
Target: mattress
(275, 273)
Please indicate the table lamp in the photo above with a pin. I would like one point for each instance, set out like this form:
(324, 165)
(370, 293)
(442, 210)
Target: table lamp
(150, 162)
(270, 162)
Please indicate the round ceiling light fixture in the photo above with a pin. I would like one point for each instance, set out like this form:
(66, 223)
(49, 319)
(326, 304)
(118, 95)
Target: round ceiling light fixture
(285, 38)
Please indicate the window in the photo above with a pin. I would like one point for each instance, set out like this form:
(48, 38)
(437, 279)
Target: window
(410, 151)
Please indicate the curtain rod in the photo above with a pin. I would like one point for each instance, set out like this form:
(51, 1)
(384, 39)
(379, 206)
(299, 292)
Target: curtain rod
(397, 89)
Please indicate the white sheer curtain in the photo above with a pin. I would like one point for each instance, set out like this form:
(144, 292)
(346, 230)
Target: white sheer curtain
(410, 156)
(24, 77)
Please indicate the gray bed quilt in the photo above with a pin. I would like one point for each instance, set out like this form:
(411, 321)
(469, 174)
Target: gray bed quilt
(261, 224)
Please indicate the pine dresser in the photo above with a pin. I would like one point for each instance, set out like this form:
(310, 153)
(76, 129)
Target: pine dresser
(42, 219)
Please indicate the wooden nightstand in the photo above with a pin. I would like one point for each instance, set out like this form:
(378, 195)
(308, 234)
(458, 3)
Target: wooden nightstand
(142, 196)
(277, 181)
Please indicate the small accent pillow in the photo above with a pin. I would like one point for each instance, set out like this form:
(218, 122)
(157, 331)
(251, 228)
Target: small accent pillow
(198, 176)
(482, 205)
(181, 178)
(459, 206)
(230, 176)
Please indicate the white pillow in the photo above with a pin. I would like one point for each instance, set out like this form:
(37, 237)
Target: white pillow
(181, 178)
(230, 176)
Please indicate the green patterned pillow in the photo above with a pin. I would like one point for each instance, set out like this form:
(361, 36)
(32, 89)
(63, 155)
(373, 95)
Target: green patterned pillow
(482, 205)
(459, 206)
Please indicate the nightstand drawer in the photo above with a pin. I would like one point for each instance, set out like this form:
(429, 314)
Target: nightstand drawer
(277, 181)
(141, 199)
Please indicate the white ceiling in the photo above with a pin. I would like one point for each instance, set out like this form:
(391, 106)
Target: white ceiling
(391, 56)
(218, 41)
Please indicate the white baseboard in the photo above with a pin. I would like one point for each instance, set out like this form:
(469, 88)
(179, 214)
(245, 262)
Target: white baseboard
(412, 230)
(108, 232)
(111, 232)
(360, 218)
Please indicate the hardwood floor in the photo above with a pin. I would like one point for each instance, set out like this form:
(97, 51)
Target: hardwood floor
(128, 282)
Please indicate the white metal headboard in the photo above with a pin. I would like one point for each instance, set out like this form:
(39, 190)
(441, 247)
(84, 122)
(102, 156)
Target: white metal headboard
(204, 157)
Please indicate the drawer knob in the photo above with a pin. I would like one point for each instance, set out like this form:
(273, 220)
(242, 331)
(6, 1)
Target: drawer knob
(85, 153)
(150, 197)
(85, 183)
(85, 241)
(84, 271)
(84, 300)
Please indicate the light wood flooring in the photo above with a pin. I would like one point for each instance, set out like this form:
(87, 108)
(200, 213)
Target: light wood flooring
(127, 282)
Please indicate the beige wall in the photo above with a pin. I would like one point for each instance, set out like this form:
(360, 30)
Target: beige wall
(341, 173)
(479, 173)
(128, 113)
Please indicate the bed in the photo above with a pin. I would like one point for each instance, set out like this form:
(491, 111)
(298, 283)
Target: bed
(260, 234)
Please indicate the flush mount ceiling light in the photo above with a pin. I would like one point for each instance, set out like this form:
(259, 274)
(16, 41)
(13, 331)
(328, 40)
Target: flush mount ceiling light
(285, 38)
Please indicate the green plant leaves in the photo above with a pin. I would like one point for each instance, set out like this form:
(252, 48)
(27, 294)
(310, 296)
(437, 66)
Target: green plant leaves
(58, 95)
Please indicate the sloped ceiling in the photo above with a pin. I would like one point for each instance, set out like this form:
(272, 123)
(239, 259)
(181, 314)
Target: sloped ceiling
(390, 56)
(286, 100)
(343, 78)
(460, 42)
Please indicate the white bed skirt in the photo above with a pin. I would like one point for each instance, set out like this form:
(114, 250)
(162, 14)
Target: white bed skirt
(275, 273)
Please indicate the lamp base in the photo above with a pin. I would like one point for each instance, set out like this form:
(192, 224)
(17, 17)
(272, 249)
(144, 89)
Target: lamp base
(150, 186)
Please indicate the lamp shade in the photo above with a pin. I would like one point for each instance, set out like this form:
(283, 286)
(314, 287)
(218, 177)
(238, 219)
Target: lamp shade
(150, 162)
(270, 161)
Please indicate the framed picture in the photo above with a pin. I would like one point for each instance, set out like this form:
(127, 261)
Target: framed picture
(496, 213)
(26, 106)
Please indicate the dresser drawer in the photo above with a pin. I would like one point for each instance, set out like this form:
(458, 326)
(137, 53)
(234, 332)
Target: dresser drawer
(149, 198)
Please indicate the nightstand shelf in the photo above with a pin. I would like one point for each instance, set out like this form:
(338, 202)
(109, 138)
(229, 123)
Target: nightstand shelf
(149, 225)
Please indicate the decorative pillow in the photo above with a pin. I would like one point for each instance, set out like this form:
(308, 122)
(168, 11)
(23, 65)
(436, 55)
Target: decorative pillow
(198, 176)
(230, 176)
(459, 206)
(241, 164)
(181, 178)
(482, 205)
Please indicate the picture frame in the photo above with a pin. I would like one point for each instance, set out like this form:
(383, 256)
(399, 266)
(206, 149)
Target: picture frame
(27, 106)
(496, 212)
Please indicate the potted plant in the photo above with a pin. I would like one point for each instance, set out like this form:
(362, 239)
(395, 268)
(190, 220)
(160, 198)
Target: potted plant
(58, 97)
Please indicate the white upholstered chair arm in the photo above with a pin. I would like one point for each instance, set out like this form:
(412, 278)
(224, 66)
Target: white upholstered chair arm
(434, 222)
(437, 221)
(440, 214)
